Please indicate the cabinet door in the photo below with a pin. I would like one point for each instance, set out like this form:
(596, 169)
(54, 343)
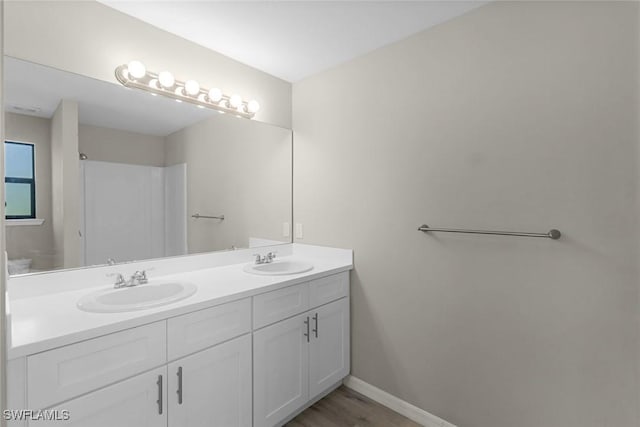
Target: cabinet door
(140, 401)
(212, 387)
(280, 370)
(329, 357)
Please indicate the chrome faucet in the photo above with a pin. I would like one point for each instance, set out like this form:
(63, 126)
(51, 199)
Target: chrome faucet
(138, 278)
(266, 259)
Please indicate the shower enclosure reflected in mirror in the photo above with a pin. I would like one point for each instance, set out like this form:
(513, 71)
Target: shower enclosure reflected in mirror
(99, 173)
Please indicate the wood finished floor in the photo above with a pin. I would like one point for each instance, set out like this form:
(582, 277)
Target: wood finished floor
(347, 408)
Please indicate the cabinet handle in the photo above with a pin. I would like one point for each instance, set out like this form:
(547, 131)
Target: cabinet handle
(179, 385)
(315, 329)
(159, 401)
(306, 322)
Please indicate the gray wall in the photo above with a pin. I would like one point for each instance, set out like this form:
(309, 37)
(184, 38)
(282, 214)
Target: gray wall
(517, 116)
(34, 241)
(89, 38)
(238, 168)
(119, 146)
(65, 185)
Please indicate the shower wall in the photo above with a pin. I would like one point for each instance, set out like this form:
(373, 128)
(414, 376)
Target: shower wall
(126, 212)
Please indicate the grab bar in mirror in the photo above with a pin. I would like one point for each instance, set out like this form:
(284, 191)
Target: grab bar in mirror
(198, 216)
(552, 234)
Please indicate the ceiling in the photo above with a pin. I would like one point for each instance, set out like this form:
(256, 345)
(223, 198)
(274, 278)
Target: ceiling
(36, 90)
(293, 39)
(288, 39)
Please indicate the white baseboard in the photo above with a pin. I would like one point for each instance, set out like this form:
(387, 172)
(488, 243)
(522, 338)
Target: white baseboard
(400, 406)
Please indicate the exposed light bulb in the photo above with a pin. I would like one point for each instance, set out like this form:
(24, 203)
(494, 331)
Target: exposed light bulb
(215, 94)
(253, 106)
(136, 69)
(235, 101)
(166, 79)
(192, 87)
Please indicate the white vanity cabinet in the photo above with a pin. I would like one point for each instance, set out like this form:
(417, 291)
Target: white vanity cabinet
(297, 359)
(256, 361)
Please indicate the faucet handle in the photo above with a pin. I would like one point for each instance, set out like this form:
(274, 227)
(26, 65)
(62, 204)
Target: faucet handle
(271, 256)
(140, 277)
(120, 282)
(259, 258)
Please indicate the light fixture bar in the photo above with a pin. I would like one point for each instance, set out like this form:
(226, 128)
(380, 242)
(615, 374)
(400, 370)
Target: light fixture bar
(135, 75)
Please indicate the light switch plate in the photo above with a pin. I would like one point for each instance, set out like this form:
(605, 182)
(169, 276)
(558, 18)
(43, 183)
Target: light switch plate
(299, 233)
(286, 231)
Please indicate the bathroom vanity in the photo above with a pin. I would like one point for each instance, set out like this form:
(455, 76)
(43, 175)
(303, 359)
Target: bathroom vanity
(205, 337)
(245, 349)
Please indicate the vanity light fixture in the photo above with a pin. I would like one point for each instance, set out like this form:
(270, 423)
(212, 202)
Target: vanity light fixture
(135, 75)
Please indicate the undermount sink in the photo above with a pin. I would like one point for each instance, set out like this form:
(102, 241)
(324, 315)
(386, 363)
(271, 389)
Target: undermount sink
(138, 297)
(278, 268)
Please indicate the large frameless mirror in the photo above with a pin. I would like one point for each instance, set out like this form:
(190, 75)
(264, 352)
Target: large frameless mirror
(98, 173)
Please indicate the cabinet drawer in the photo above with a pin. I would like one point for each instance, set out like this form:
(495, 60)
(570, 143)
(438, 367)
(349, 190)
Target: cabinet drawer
(205, 328)
(327, 289)
(60, 374)
(273, 306)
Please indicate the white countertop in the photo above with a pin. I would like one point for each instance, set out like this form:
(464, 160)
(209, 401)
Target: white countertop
(48, 320)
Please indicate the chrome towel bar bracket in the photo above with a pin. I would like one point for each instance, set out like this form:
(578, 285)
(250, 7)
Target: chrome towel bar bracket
(552, 234)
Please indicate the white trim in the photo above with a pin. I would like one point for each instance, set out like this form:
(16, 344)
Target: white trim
(414, 413)
(31, 221)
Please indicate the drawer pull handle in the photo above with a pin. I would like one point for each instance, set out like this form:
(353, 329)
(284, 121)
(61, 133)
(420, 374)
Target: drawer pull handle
(306, 322)
(315, 329)
(159, 401)
(179, 385)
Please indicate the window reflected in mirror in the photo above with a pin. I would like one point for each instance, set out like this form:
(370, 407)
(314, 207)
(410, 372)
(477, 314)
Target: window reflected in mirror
(19, 180)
